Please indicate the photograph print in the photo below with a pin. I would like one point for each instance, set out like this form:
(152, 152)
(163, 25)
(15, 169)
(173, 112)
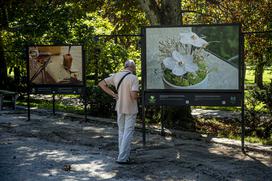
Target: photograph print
(192, 57)
(55, 65)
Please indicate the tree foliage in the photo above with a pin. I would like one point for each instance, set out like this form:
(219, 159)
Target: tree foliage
(69, 21)
(254, 16)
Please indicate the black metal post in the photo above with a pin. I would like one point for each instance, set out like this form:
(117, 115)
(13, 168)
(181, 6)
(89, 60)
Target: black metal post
(243, 125)
(54, 110)
(28, 105)
(143, 124)
(142, 90)
(85, 103)
(162, 121)
(243, 97)
(143, 115)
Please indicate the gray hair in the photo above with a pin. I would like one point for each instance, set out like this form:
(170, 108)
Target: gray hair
(129, 63)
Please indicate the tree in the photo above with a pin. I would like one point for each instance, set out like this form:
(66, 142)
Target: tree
(162, 12)
(254, 16)
(125, 19)
(40, 22)
(167, 12)
(3, 25)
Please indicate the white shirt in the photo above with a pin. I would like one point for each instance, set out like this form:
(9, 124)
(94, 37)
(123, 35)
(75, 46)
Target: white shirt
(125, 103)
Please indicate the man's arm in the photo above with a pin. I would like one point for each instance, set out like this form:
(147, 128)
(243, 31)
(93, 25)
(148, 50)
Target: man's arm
(134, 94)
(102, 84)
(134, 89)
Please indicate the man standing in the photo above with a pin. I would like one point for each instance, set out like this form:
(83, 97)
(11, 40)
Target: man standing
(127, 86)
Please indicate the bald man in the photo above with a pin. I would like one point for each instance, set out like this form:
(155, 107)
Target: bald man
(126, 106)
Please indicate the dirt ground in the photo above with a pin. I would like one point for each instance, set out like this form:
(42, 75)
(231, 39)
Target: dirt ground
(62, 147)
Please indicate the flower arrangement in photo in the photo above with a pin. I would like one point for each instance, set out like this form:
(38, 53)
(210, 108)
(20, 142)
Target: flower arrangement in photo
(182, 60)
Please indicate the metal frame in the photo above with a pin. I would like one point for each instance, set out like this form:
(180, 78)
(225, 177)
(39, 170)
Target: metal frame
(243, 97)
(241, 74)
(191, 92)
(57, 88)
(239, 90)
(53, 88)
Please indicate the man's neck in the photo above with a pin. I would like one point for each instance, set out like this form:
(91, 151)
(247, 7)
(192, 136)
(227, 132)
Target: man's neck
(127, 69)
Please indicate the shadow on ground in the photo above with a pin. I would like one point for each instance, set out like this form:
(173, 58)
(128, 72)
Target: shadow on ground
(65, 148)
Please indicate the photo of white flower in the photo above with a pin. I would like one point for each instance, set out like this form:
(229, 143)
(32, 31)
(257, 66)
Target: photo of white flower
(180, 64)
(181, 58)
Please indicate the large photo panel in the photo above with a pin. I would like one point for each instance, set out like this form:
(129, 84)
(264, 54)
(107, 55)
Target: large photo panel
(56, 69)
(55, 65)
(201, 57)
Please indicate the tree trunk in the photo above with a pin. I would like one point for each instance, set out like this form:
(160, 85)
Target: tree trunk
(151, 9)
(176, 117)
(3, 65)
(259, 69)
(168, 12)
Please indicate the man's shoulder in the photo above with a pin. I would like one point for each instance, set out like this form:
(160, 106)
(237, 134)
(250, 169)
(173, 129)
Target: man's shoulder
(132, 76)
(134, 80)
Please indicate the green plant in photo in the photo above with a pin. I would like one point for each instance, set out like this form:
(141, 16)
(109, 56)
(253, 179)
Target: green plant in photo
(189, 78)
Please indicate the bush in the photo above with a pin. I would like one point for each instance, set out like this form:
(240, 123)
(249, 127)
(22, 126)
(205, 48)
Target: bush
(265, 96)
(180, 118)
(258, 112)
(100, 104)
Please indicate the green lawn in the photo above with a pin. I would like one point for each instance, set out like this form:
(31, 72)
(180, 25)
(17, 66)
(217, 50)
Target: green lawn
(249, 79)
(48, 104)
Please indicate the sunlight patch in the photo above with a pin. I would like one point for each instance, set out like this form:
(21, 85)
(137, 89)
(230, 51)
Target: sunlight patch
(95, 168)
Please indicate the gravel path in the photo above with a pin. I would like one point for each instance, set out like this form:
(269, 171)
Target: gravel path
(62, 147)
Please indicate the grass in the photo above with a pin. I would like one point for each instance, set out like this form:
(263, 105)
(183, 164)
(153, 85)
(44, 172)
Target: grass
(227, 129)
(249, 78)
(221, 108)
(47, 104)
(232, 130)
(253, 139)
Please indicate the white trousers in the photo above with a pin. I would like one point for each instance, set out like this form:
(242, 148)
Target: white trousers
(126, 126)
